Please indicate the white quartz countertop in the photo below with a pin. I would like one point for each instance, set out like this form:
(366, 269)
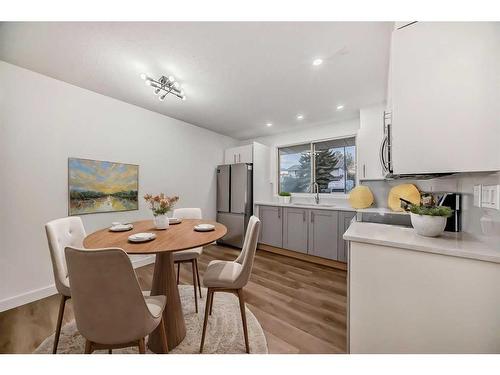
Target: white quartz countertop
(335, 206)
(461, 245)
(327, 206)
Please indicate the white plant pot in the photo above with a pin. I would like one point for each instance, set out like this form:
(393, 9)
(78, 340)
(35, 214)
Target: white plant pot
(161, 221)
(428, 226)
(284, 200)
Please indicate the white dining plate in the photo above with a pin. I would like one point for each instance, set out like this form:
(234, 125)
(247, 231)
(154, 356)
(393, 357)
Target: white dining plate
(204, 227)
(141, 237)
(174, 220)
(121, 227)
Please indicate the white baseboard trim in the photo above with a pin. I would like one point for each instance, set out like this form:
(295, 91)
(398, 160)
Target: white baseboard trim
(24, 298)
(143, 261)
(34, 295)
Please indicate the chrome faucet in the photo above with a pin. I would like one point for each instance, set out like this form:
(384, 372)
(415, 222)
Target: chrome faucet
(315, 186)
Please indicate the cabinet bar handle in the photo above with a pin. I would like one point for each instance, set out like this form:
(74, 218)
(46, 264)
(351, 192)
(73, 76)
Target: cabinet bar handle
(303, 216)
(279, 213)
(234, 158)
(364, 170)
(312, 217)
(239, 158)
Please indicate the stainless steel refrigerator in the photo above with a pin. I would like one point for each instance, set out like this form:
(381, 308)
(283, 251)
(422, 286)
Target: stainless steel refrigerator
(234, 201)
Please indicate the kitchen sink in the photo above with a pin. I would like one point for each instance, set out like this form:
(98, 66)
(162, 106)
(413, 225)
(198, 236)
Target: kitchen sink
(314, 204)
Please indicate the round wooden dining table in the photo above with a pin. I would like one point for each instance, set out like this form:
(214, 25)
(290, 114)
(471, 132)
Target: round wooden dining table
(177, 237)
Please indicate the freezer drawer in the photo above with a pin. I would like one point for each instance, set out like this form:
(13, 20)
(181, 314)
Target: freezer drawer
(235, 224)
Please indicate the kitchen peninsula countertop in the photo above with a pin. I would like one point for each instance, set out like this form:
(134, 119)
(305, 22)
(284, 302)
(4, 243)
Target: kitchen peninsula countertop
(462, 245)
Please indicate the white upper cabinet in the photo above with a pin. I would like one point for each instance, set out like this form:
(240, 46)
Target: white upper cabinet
(245, 154)
(258, 155)
(241, 154)
(368, 142)
(445, 95)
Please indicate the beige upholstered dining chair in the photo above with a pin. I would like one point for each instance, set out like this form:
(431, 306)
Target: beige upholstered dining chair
(110, 309)
(190, 255)
(68, 231)
(227, 276)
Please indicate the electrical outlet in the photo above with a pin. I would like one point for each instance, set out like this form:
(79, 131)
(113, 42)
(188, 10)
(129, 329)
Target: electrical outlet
(490, 196)
(477, 195)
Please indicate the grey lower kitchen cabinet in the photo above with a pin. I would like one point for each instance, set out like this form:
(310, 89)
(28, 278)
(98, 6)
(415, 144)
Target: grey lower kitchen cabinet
(316, 232)
(345, 218)
(295, 229)
(271, 230)
(323, 233)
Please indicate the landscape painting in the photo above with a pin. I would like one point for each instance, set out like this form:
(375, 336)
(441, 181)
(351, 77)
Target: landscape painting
(101, 186)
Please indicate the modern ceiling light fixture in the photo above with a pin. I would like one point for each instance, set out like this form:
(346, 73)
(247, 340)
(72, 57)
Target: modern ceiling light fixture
(317, 62)
(269, 124)
(340, 107)
(300, 116)
(164, 86)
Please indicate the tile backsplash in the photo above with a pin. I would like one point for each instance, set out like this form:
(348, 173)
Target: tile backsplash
(481, 222)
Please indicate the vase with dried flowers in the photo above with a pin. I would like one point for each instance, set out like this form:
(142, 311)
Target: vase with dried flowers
(160, 205)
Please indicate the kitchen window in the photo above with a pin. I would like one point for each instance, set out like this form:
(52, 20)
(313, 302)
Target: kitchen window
(333, 166)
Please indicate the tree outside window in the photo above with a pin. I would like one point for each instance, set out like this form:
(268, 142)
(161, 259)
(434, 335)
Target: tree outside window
(295, 168)
(333, 166)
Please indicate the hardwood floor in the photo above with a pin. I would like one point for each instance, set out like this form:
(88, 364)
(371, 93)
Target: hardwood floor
(301, 306)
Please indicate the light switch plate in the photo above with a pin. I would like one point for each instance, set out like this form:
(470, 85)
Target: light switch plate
(477, 196)
(490, 196)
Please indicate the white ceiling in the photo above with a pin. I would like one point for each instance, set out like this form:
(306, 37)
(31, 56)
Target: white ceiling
(237, 76)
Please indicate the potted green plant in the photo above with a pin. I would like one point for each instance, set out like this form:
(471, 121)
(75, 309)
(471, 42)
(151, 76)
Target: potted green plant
(284, 197)
(429, 221)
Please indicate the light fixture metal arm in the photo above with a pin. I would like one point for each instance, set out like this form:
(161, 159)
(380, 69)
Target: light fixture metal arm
(164, 86)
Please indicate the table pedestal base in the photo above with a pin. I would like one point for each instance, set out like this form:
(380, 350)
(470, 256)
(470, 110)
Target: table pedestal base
(164, 283)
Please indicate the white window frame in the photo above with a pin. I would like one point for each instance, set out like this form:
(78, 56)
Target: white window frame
(313, 167)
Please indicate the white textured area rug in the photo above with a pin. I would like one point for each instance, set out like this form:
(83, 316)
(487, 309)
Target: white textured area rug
(224, 329)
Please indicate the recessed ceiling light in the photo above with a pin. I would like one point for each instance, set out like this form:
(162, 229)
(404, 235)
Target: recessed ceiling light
(269, 124)
(317, 62)
(300, 116)
(340, 107)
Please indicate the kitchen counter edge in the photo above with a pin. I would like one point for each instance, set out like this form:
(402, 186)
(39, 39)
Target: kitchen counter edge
(462, 245)
(334, 207)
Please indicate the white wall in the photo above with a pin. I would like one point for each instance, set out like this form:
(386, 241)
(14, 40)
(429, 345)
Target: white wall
(311, 133)
(44, 121)
(306, 134)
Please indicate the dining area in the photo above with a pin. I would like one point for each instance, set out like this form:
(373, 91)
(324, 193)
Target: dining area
(112, 314)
